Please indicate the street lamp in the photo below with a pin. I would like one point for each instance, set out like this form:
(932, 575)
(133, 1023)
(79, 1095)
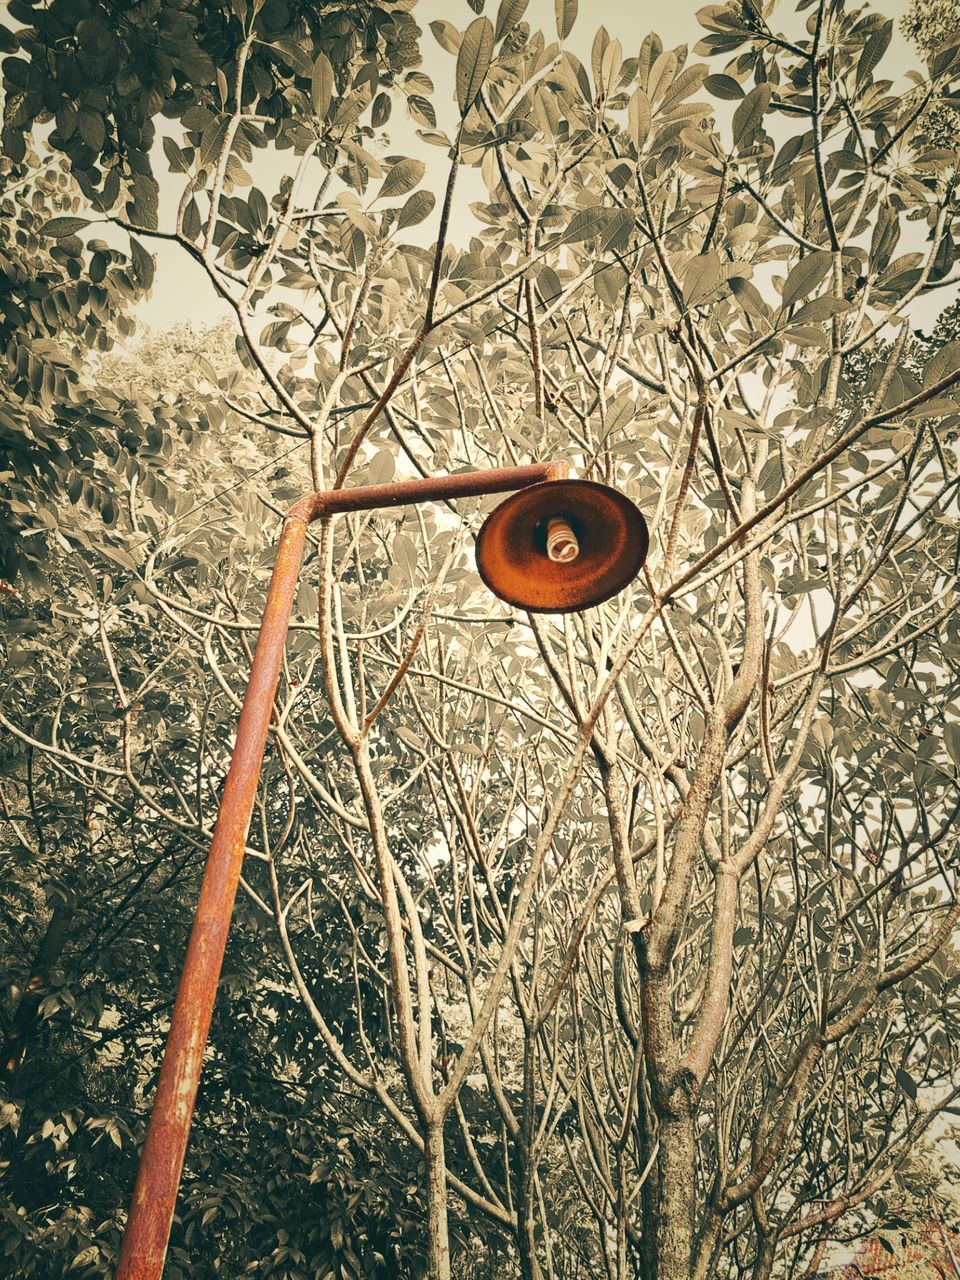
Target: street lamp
(556, 546)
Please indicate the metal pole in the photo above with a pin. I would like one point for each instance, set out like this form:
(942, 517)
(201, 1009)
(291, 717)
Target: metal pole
(158, 1178)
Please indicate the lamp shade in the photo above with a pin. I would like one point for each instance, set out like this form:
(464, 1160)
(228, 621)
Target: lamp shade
(610, 534)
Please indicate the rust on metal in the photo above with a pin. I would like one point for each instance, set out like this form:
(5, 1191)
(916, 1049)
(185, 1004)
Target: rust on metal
(609, 532)
(158, 1177)
(467, 484)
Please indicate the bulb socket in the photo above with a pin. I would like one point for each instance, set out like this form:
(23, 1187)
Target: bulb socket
(562, 544)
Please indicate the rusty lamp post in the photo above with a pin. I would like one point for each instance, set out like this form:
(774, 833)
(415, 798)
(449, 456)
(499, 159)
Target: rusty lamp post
(556, 546)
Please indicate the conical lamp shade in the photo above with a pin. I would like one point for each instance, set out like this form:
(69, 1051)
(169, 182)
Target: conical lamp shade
(512, 546)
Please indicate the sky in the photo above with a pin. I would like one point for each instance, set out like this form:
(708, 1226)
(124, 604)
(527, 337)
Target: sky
(183, 292)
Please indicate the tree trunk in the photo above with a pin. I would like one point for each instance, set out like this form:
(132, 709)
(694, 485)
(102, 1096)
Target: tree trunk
(673, 1242)
(438, 1239)
(766, 1256)
(24, 1020)
(526, 1181)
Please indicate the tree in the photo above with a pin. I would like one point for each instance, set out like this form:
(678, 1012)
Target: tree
(644, 916)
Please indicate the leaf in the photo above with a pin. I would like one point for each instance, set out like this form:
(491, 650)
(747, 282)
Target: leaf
(473, 62)
(405, 556)
(805, 277)
(446, 35)
(508, 15)
(403, 177)
(874, 48)
(700, 277)
(687, 82)
(142, 264)
(92, 129)
(60, 228)
(750, 112)
(349, 202)
(938, 407)
(419, 206)
(907, 1083)
(353, 105)
(609, 283)
(176, 158)
(616, 234)
(191, 220)
(566, 11)
(661, 75)
(294, 55)
(382, 468)
(145, 205)
(610, 66)
(587, 223)
(638, 115)
(211, 141)
(321, 85)
(601, 42)
(942, 364)
(723, 87)
(421, 110)
(819, 309)
(951, 740)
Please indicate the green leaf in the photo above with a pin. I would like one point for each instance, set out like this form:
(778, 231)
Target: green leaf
(403, 177)
(473, 62)
(566, 11)
(508, 15)
(805, 277)
(907, 1083)
(321, 85)
(419, 206)
(748, 115)
(951, 740)
(60, 228)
